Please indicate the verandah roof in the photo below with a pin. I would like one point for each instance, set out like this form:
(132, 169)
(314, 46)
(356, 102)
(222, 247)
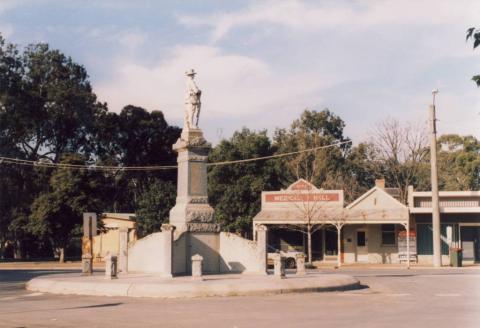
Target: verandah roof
(333, 216)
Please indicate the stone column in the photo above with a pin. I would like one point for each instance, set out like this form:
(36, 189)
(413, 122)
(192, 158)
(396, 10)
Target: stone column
(123, 250)
(192, 211)
(262, 240)
(197, 267)
(300, 259)
(89, 230)
(279, 266)
(167, 249)
(110, 267)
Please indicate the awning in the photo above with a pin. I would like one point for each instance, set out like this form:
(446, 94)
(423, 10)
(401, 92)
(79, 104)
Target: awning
(297, 217)
(335, 216)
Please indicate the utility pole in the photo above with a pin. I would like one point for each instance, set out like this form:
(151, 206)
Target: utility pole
(437, 249)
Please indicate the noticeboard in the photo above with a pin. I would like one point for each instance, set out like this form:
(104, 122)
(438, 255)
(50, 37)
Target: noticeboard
(402, 246)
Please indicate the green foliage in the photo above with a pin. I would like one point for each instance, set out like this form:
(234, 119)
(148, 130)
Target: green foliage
(234, 190)
(48, 104)
(56, 213)
(459, 162)
(474, 34)
(312, 129)
(135, 137)
(476, 79)
(356, 175)
(153, 206)
(48, 110)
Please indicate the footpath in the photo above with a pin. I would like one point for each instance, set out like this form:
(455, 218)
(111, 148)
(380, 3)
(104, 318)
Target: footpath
(45, 265)
(148, 285)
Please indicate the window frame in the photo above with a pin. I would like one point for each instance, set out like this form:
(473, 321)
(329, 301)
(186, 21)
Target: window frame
(385, 231)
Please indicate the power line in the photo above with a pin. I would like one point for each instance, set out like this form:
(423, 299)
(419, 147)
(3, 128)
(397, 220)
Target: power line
(17, 161)
(278, 155)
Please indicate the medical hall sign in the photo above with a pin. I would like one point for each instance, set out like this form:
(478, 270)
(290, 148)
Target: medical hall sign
(302, 191)
(310, 197)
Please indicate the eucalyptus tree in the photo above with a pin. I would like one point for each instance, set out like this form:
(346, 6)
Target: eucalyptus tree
(459, 162)
(234, 190)
(56, 215)
(313, 129)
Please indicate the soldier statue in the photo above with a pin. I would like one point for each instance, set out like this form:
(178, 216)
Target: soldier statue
(192, 102)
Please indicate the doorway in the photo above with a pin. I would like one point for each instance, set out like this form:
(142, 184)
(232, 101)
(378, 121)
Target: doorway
(362, 248)
(331, 247)
(470, 237)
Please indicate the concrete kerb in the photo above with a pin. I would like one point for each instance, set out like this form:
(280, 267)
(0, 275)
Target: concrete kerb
(183, 287)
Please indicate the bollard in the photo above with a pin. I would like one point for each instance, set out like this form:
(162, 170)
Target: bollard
(87, 265)
(197, 267)
(123, 250)
(300, 259)
(110, 267)
(279, 266)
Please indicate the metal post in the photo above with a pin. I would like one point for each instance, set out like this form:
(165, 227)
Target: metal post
(437, 251)
(408, 243)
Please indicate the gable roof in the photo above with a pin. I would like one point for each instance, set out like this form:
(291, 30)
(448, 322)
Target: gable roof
(302, 184)
(372, 191)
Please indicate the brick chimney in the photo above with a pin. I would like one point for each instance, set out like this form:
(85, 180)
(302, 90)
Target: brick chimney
(380, 183)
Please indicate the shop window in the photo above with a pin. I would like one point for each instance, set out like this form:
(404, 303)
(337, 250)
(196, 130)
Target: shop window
(388, 234)
(425, 240)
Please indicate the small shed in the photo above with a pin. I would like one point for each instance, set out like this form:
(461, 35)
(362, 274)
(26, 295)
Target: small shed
(109, 241)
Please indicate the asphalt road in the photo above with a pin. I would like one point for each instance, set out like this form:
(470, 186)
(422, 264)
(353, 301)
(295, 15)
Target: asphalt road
(395, 298)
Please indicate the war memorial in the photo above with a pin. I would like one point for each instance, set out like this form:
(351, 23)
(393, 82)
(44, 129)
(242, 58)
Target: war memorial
(190, 256)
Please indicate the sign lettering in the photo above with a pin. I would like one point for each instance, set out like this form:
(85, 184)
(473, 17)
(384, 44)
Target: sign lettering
(316, 197)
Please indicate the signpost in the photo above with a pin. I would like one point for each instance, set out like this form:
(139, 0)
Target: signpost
(404, 245)
(89, 231)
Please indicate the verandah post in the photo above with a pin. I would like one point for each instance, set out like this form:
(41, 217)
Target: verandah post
(339, 245)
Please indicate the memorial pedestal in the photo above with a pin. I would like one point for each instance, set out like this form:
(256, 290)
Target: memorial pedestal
(192, 212)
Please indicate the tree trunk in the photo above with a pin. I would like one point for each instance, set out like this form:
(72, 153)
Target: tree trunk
(61, 255)
(17, 250)
(309, 244)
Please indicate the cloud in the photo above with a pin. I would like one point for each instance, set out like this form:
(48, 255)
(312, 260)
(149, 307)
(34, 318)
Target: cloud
(6, 30)
(233, 85)
(131, 39)
(312, 16)
(6, 5)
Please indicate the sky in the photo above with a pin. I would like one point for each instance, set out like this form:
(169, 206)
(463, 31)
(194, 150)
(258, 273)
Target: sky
(261, 63)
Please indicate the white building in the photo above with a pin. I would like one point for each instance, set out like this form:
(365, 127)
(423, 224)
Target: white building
(373, 227)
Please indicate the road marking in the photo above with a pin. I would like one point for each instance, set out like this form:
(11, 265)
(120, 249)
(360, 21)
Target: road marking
(9, 298)
(20, 296)
(447, 295)
(400, 295)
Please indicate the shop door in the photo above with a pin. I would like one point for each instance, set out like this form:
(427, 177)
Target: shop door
(362, 248)
(470, 243)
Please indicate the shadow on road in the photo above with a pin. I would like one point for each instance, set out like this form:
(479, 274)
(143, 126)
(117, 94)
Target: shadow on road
(93, 306)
